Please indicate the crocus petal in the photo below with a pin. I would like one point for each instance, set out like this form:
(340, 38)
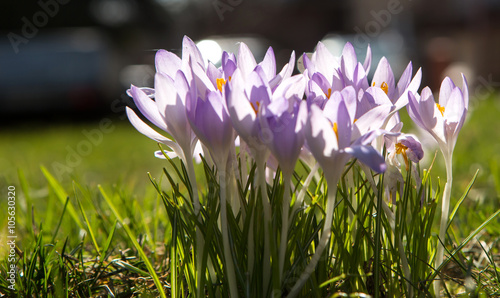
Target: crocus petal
(150, 92)
(285, 73)
(447, 87)
(147, 107)
(348, 61)
(454, 108)
(377, 96)
(383, 74)
(191, 52)
(415, 152)
(167, 63)
(322, 82)
(465, 91)
(344, 123)
(213, 73)
(321, 138)
(228, 64)
(240, 110)
(369, 156)
(368, 59)
(359, 77)
(324, 61)
(165, 92)
(149, 132)
(161, 155)
(415, 82)
(371, 120)
(292, 87)
(211, 125)
(268, 64)
(404, 80)
(257, 89)
(427, 107)
(246, 60)
(413, 110)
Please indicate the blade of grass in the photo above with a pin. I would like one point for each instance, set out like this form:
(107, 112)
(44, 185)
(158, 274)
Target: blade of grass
(60, 220)
(459, 203)
(133, 239)
(62, 195)
(89, 227)
(107, 245)
(459, 248)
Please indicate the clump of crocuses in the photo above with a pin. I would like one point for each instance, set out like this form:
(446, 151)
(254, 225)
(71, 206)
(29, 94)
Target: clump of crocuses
(328, 115)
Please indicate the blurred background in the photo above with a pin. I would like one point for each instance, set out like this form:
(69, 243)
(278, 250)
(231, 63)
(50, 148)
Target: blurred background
(65, 66)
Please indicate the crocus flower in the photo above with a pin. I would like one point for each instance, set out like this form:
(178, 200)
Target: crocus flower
(384, 79)
(329, 140)
(167, 112)
(207, 113)
(443, 120)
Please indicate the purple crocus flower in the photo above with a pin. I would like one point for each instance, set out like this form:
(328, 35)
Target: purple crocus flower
(248, 98)
(284, 120)
(167, 112)
(207, 113)
(443, 120)
(329, 140)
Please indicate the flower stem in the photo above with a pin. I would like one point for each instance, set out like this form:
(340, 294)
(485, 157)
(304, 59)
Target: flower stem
(445, 210)
(325, 236)
(261, 168)
(200, 241)
(233, 289)
(284, 222)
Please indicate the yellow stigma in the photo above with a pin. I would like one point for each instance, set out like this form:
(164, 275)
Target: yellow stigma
(255, 106)
(336, 130)
(401, 149)
(384, 87)
(221, 82)
(328, 93)
(441, 109)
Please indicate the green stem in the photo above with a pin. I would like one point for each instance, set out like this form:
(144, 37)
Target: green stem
(261, 168)
(284, 222)
(200, 241)
(233, 289)
(445, 210)
(325, 236)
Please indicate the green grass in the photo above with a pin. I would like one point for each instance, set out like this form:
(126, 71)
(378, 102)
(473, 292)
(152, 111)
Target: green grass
(105, 229)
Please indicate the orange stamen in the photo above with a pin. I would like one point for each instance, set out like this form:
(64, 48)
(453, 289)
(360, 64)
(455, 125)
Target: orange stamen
(255, 107)
(441, 109)
(401, 149)
(336, 130)
(221, 82)
(329, 93)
